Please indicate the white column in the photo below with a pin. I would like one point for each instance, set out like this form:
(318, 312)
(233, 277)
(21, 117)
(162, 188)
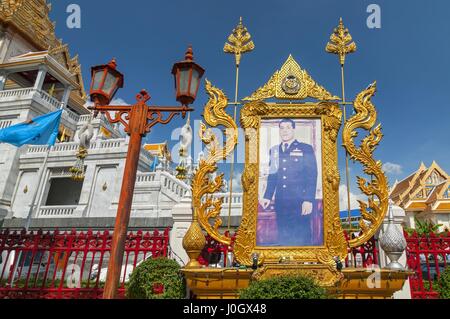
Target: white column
(3, 78)
(182, 220)
(399, 219)
(5, 42)
(40, 78)
(66, 96)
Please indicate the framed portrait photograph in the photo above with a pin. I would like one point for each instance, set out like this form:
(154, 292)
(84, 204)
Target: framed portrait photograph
(290, 208)
(291, 184)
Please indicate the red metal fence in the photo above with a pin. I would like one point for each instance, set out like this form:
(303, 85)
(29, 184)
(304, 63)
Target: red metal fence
(427, 256)
(68, 265)
(215, 253)
(363, 256)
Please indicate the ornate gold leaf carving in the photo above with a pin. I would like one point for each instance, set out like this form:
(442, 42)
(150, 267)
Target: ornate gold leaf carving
(365, 118)
(207, 208)
(341, 42)
(239, 42)
(265, 92)
(306, 86)
(250, 113)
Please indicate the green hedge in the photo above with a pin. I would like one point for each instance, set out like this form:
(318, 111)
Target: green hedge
(156, 271)
(284, 287)
(443, 286)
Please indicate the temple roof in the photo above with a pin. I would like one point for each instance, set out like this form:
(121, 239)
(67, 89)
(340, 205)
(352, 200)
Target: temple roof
(159, 150)
(31, 20)
(40, 58)
(424, 190)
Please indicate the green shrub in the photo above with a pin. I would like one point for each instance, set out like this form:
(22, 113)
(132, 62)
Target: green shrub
(153, 272)
(443, 286)
(284, 287)
(423, 228)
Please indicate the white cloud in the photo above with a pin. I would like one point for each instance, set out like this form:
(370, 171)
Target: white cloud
(116, 101)
(119, 101)
(237, 183)
(343, 199)
(392, 168)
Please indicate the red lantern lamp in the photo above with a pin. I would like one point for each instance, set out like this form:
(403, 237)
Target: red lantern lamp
(187, 76)
(106, 80)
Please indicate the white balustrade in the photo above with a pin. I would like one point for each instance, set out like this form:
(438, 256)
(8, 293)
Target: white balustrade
(5, 124)
(111, 143)
(16, 93)
(73, 116)
(44, 97)
(49, 99)
(65, 147)
(84, 118)
(57, 212)
(145, 177)
(33, 149)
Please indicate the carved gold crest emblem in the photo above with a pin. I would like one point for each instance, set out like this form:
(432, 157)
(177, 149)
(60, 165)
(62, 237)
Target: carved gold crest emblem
(291, 85)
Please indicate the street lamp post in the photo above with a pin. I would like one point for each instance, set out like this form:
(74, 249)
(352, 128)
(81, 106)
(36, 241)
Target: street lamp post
(138, 120)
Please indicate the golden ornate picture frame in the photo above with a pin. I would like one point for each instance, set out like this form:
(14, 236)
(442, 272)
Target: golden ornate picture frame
(252, 114)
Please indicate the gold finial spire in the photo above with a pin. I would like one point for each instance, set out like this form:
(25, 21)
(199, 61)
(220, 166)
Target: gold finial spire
(341, 42)
(239, 42)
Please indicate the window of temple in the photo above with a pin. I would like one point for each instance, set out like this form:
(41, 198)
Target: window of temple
(64, 192)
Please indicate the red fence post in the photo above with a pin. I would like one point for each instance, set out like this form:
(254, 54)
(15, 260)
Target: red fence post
(420, 251)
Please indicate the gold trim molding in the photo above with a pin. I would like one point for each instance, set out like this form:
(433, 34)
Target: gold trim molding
(325, 275)
(292, 82)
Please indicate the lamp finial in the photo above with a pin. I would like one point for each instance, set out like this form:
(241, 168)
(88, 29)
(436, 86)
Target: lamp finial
(189, 54)
(113, 63)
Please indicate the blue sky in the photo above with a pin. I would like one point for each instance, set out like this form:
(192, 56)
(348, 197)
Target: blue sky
(409, 57)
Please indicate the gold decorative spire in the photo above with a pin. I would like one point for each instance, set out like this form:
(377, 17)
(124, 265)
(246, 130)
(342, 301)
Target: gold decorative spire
(239, 42)
(341, 42)
(291, 82)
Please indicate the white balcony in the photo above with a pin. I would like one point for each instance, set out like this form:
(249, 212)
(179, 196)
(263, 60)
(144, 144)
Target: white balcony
(23, 98)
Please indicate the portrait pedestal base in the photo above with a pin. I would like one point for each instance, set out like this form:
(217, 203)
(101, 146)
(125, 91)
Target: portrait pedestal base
(213, 283)
(368, 284)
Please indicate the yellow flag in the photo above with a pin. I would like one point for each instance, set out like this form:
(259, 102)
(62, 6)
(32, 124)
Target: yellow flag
(105, 132)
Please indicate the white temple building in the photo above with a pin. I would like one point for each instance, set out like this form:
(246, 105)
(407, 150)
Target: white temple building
(37, 76)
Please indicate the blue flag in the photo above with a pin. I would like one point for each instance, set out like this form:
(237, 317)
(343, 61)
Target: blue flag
(42, 130)
(154, 164)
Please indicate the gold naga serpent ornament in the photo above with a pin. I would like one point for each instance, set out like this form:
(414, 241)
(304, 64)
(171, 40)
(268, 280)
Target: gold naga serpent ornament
(206, 207)
(365, 117)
